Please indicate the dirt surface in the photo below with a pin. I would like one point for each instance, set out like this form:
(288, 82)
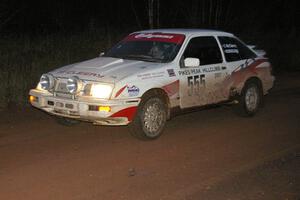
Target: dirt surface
(211, 154)
(278, 179)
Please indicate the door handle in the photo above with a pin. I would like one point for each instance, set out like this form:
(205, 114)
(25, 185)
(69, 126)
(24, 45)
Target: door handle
(223, 67)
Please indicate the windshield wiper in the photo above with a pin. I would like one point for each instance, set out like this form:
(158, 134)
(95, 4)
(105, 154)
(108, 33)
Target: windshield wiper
(142, 57)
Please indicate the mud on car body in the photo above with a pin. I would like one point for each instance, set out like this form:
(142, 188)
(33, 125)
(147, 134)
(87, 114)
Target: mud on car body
(147, 74)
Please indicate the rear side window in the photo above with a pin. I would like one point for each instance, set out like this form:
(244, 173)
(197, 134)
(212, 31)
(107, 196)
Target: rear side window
(234, 50)
(204, 48)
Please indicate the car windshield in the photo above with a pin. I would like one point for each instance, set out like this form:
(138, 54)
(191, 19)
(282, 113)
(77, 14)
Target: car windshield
(150, 47)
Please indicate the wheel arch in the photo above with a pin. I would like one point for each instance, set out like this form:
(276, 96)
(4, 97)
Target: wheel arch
(237, 90)
(240, 107)
(253, 79)
(159, 93)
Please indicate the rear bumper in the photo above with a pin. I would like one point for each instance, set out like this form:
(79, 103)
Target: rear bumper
(121, 112)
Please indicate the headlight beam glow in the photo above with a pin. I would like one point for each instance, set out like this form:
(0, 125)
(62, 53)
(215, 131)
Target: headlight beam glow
(101, 91)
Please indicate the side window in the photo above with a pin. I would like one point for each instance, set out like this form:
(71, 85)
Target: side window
(204, 48)
(234, 50)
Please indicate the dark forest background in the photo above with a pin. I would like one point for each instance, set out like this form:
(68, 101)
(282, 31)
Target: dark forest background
(37, 36)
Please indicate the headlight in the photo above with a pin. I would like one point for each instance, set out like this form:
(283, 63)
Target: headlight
(46, 82)
(74, 85)
(101, 91)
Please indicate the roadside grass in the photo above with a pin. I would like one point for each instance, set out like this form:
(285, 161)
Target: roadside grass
(23, 60)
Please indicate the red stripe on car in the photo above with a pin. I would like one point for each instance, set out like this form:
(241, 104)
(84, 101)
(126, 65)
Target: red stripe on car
(127, 112)
(120, 91)
(171, 88)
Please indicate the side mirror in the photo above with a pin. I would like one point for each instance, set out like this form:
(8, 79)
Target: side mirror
(191, 62)
(101, 54)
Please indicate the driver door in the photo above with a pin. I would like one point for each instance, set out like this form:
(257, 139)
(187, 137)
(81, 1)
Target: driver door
(199, 85)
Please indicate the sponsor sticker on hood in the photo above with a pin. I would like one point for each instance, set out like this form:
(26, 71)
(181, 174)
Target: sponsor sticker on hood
(80, 73)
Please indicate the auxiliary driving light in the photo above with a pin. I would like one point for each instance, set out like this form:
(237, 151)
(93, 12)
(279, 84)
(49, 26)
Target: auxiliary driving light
(47, 82)
(74, 85)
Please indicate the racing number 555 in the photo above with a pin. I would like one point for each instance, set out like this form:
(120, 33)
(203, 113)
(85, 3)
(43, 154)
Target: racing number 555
(194, 84)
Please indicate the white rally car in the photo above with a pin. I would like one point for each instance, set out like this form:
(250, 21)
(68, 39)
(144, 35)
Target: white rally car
(151, 73)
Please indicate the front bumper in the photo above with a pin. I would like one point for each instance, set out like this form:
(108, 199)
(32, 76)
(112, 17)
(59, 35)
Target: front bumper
(121, 112)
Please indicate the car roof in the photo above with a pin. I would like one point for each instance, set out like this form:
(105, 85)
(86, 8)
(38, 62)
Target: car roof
(188, 32)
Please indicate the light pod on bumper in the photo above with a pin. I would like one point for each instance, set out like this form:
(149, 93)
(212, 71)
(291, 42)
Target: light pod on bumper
(74, 85)
(47, 82)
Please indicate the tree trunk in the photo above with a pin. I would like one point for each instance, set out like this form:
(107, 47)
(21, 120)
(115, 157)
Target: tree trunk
(157, 14)
(150, 13)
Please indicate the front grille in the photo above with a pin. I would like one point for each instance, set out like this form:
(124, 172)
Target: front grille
(64, 95)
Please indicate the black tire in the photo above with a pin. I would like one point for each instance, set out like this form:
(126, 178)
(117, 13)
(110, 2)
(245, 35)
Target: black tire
(250, 100)
(150, 119)
(66, 121)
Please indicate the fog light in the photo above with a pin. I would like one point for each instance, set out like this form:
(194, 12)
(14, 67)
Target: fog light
(104, 108)
(33, 99)
(99, 108)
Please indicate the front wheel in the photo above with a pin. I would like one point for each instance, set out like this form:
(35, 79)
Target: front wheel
(150, 120)
(250, 99)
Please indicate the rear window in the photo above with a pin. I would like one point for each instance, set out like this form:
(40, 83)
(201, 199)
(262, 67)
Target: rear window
(235, 50)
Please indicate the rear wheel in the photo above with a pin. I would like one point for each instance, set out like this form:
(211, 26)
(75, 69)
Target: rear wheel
(250, 99)
(150, 120)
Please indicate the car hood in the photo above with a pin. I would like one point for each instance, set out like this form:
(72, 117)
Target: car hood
(105, 69)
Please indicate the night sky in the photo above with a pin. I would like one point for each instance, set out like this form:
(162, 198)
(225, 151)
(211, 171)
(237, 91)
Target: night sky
(46, 17)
